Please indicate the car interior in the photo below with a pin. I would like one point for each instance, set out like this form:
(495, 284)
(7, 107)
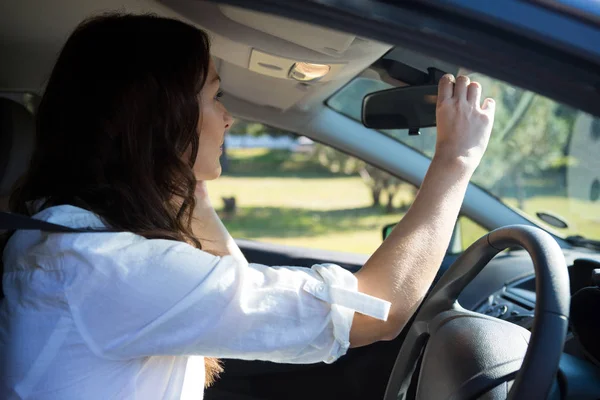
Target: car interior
(255, 54)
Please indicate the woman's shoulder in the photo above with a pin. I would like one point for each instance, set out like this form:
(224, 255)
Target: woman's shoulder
(99, 251)
(71, 216)
(54, 249)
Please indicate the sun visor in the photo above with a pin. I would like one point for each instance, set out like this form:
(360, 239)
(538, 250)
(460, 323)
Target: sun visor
(322, 40)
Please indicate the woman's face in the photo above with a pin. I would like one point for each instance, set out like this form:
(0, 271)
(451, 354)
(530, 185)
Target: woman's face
(214, 121)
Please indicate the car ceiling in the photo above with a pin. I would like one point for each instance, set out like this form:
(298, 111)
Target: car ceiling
(33, 33)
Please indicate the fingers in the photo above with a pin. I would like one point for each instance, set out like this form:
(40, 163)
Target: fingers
(474, 93)
(460, 87)
(445, 88)
(489, 105)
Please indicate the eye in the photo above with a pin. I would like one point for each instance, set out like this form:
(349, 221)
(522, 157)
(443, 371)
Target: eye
(219, 95)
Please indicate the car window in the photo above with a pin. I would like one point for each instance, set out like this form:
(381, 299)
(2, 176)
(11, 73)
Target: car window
(470, 231)
(281, 188)
(542, 156)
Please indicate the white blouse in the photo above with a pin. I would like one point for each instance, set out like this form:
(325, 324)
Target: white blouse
(116, 315)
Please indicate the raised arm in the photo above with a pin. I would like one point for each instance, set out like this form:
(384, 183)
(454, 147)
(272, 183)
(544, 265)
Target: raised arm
(404, 266)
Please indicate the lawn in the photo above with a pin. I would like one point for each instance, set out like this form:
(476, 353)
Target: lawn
(291, 199)
(333, 214)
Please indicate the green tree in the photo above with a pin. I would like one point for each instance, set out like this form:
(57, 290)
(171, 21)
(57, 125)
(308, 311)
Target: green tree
(245, 127)
(529, 139)
(378, 181)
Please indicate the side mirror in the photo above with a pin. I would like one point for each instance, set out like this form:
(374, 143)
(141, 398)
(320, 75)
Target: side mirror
(387, 230)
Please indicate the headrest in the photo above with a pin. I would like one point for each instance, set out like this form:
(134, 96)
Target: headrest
(17, 134)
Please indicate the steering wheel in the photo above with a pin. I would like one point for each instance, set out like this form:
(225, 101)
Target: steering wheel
(466, 355)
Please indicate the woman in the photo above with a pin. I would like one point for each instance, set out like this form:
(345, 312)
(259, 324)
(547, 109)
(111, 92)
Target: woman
(128, 130)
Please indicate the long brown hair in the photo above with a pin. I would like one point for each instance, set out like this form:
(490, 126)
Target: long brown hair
(116, 129)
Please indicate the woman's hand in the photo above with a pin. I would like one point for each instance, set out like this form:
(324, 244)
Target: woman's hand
(463, 126)
(404, 266)
(209, 229)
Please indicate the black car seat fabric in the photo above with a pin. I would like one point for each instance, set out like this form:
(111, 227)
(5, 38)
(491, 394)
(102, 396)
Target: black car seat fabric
(17, 134)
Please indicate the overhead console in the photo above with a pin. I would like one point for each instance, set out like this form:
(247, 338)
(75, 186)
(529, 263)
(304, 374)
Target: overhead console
(276, 63)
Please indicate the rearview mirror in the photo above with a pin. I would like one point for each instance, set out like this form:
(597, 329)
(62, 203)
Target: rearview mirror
(411, 107)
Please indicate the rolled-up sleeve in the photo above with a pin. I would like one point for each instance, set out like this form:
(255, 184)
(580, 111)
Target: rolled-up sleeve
(158, 297)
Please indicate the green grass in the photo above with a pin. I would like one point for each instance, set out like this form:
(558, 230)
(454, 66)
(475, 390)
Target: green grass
(470, 231)
(332, 214)
(291, 199)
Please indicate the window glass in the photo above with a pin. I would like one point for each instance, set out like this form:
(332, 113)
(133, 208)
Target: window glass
(470, 231)
(542, 158)
(280, 188)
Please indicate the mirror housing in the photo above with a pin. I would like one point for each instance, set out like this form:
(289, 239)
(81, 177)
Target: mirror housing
(409, 107)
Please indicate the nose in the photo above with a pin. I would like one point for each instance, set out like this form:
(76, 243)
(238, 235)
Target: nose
(228, 119)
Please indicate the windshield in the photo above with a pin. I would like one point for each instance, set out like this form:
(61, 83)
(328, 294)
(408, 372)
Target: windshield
(543, 157)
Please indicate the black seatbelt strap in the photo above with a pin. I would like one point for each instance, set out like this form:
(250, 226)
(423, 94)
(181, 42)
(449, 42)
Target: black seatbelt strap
(11, 221)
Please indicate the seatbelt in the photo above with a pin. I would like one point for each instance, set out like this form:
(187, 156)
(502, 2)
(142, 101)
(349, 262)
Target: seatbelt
(11, 221)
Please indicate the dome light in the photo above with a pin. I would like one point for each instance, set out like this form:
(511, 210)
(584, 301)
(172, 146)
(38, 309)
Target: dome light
(306, 72)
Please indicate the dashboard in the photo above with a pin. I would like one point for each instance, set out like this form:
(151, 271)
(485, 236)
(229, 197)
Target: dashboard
(505, 289)
(509, 280)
